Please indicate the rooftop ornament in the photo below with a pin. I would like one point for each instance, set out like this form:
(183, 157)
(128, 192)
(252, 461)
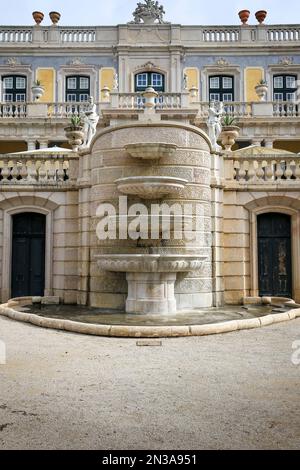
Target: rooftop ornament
(149, 12)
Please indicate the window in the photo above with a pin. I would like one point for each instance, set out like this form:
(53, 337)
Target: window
(221, 88)
(77, 88)
(147, 79)
(285, 87)
(14, 88)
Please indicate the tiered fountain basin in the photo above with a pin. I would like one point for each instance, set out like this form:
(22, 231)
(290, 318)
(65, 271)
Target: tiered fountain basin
(151, 187)
(150, 151)
(151, 278)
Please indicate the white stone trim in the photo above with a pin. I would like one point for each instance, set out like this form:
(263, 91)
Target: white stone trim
(25, 70)
(82, 69)
(8, 310)
(7, 247)
(233, 70)
(272, 70)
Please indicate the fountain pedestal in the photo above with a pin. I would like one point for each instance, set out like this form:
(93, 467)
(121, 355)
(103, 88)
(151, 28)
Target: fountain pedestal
(151, 293)
(151, 278)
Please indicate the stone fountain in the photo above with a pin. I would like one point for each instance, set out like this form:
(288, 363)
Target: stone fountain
(149, 163)
(151, 278)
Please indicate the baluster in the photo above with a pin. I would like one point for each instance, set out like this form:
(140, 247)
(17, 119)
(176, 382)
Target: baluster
(278, 171)
(260, 170)
(269, 171)
(5, 171)
(297, 170)
(23, 172)
(243, 171)
(288, 171)
(32, 171)
(14, 172)
(251, 170)
(42, 173)
(51, 170)
(60, 171)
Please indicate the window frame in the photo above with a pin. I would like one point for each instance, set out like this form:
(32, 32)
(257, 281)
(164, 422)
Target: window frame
(149, 81)
(284, 90)
(222, 90)
(78, 92)
(14, 92)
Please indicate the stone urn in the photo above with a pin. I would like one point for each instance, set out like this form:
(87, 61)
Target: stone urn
(54, 17)
(75, 136)
(37, 91)
(193, 92)
(38, 17)
(244, 16)
(106, 92)
(150, 96)
(229, 135)
(262, 90)
(261, 16)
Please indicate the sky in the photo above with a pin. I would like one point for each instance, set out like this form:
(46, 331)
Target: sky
(112, 12)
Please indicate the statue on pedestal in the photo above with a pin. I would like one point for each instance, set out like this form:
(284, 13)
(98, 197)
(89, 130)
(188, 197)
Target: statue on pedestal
(214, 125)
(90, 120)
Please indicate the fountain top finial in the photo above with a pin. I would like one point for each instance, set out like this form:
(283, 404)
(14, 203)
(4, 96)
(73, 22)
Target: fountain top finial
(149, 12)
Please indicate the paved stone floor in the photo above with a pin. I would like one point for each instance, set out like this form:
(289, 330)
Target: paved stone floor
(65, 391)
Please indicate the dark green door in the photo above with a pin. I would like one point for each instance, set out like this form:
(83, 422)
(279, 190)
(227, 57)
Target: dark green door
(28, 254)
(274, 255)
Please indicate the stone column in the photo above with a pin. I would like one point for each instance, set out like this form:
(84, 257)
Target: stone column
(31, 144)
(269, 143)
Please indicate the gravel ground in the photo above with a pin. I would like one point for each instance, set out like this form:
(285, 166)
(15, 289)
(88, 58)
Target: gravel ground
(67, 391)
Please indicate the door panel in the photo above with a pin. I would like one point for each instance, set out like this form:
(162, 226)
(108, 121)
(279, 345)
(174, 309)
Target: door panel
(274, 255)
(28, 255)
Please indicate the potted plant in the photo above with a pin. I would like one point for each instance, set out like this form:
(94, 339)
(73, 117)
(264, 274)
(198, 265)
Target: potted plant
(38, 16)
(54, 17)
(262, 89)
(261, 16)
(229, 132)
(74, 132)
(244, 16)
(37, 90)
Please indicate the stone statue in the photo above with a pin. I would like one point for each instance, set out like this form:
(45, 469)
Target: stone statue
(90, 119)
(148, 12)
(214, 123)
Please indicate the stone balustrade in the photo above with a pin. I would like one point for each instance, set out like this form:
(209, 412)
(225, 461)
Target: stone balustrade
(135, 101)
(13, 110)
(102, 35)
(263, 169)
(38, 169)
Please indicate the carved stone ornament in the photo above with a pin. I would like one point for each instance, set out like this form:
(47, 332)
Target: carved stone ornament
(12, 61)
(76, 61)
(286, 61)
(149, 12)
(222, 62)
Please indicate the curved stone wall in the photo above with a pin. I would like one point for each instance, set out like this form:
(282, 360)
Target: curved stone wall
(110, 161)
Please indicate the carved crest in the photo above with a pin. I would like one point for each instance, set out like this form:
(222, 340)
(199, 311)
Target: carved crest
(13, 61)
(222, 62)
(286, 61)
(76, 61)
(148, 12)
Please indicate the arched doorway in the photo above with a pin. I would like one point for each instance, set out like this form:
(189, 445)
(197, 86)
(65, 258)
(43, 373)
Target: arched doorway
(28, 254)
(274, 254)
